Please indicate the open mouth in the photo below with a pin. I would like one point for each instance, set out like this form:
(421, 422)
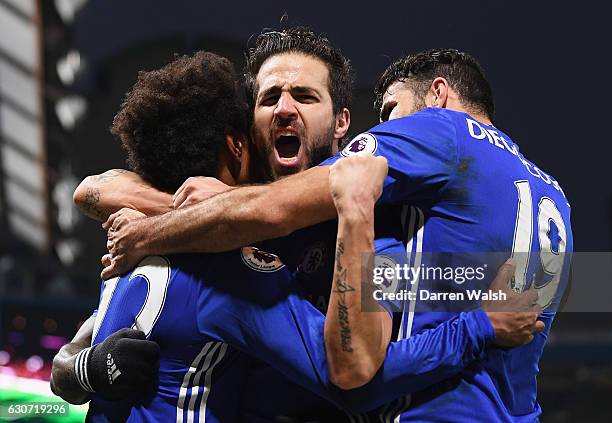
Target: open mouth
(287, 146)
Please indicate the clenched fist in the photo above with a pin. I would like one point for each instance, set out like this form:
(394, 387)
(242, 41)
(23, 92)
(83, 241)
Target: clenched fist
(356, 183)
(123, 233)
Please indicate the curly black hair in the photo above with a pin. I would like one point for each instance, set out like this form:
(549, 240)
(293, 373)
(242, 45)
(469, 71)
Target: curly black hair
(462, 71)
(174, 120)
(300, 39)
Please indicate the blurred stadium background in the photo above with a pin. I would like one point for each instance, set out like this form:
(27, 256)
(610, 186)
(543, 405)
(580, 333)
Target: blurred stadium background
(65, 65)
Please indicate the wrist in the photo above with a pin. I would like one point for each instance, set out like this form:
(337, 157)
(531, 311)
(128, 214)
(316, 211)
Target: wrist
(356, 214)
(82, 369)
(143, 236)
(357, 229)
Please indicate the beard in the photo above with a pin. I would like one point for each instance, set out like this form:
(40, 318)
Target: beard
(316, 149)
(419, 102)
(320, 148)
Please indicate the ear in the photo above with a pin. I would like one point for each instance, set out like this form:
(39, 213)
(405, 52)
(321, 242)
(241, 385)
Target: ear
(439, 92)
(236, 146)
(343, 121)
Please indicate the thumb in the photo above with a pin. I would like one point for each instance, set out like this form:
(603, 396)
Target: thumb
(109, 271)
(111, 219)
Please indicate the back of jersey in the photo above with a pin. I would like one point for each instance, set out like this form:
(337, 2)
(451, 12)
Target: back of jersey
(514, 208)
(472, 200)
(199, 376)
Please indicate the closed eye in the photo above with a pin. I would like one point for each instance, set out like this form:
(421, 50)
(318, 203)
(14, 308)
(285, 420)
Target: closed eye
(304, 98)
(269, 100)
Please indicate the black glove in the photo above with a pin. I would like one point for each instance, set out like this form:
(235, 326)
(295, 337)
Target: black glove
(121, 367)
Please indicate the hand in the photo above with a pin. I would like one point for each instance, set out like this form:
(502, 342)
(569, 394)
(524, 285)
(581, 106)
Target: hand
(120, 367)
(514, 319)
(356, 182)
(124, 232)
(197, 189)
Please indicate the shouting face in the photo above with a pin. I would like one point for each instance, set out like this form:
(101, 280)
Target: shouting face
(294, 123)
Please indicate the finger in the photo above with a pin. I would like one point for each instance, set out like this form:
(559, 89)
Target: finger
(130, 333)
(140, 347)
(150, 351)
(135, 340)
(143, 379)
(145, 368)
(180, 190)
(504, 276)
(525, 318)
(180, 199)
(532, 317)
(111, 220)
(382, 162)
(539, 326)
(529, 298)
(106, 260)
(537, 308)
(109, 271)
(109, 244)
(190, 201)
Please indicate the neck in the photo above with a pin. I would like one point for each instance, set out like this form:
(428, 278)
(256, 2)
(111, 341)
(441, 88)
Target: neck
(454, 103)
(481, 118)
(225, 176)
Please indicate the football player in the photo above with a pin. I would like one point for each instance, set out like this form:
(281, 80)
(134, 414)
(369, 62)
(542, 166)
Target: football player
(465, 187)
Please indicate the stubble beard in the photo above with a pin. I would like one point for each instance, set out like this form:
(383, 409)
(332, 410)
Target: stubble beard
(316, 151)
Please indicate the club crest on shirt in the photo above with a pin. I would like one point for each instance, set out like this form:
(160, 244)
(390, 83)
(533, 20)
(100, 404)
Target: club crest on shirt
(363, 144)
(389, 285)
(313, 258)
(260, 260)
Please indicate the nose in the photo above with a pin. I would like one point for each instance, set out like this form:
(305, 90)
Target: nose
(285, 108)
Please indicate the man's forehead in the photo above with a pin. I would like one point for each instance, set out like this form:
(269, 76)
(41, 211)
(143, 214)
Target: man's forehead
(294, 69)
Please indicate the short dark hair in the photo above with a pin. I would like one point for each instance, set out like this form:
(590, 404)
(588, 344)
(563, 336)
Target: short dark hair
(303, 40)
(462, 71)
(174, 120)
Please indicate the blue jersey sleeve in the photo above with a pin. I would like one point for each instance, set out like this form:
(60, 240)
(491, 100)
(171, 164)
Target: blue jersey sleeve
(288, 334)
(423, 360)
(421, 151)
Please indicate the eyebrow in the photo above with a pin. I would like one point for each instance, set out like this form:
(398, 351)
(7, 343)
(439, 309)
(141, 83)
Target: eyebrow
(275, 89)
(304, 90)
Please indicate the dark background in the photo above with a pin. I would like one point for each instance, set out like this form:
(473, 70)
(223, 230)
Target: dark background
(548, 65)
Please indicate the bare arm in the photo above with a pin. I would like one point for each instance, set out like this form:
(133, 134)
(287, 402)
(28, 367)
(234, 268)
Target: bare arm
(98, 196)
(226, 221)
(63, 378)
(356, 334)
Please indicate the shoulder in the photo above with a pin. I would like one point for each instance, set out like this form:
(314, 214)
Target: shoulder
(432, 128)
(426, 121)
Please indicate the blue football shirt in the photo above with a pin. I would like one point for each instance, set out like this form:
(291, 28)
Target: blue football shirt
(211, 313)
(470, 196)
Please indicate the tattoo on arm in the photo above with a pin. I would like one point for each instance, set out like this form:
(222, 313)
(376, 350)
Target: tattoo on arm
(341, 288)
(108, 175)
(90, 205)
